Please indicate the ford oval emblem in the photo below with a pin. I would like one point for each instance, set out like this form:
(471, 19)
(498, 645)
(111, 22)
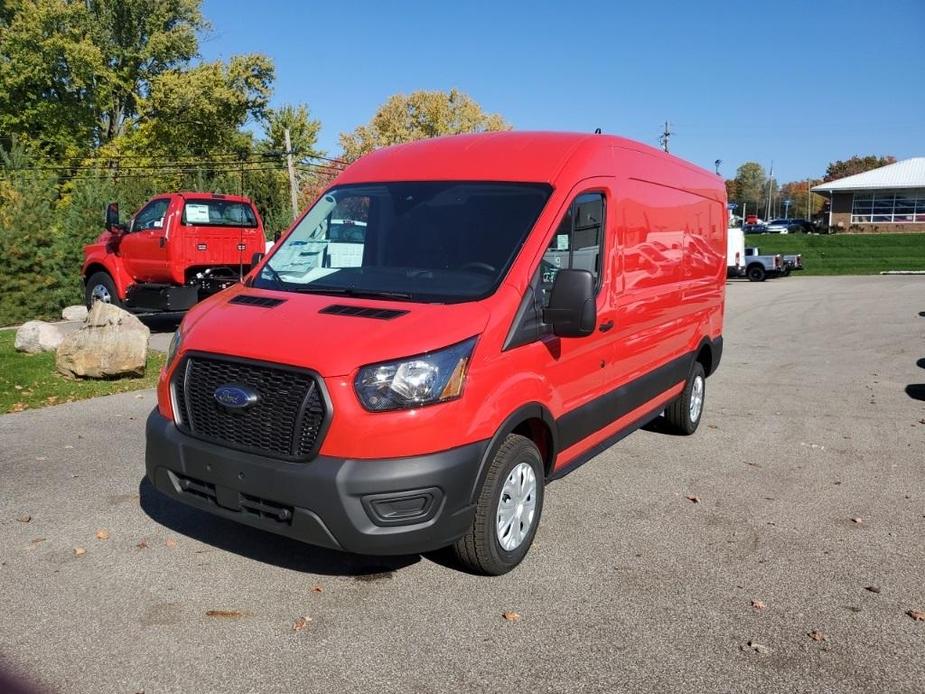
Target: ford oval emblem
(235, 397)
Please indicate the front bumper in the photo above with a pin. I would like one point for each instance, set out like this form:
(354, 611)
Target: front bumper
(396, 506)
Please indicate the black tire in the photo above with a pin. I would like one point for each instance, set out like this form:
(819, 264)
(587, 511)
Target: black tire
(480, 550)
(678, 413)
(786, 272)
(756, 273)
(103, 280)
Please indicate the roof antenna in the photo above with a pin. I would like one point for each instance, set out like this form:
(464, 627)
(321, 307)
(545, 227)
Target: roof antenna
(597, 131)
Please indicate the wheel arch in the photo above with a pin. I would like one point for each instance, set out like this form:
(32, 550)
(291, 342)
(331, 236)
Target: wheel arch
(533, 421)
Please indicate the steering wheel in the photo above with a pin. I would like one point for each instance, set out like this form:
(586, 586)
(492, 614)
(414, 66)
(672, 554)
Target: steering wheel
(484, 267)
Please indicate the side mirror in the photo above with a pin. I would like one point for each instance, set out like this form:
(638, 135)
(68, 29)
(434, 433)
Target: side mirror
(256, 258)
(112, 217)
(572, 310)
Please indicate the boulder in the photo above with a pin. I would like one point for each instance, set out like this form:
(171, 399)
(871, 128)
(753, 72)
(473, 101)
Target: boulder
(111, 343)
(74, 313)
(38, 336)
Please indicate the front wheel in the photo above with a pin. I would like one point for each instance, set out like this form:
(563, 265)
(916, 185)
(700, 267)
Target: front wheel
(100, 287)
(756, 273)
(683, 414)
(508, 511)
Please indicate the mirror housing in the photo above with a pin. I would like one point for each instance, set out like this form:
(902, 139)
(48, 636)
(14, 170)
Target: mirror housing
(572, 309)
(112, 218)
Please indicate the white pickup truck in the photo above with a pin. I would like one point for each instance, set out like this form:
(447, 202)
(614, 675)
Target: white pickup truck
(759, 267)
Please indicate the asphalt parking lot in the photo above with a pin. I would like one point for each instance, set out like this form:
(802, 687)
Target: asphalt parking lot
(809, 478)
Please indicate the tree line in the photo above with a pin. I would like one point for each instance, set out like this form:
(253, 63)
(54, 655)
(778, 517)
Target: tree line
(108, 100)
(755, 191)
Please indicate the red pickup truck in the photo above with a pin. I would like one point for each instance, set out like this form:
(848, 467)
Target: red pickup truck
(177, 249)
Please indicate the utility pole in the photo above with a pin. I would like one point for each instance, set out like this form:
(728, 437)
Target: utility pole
(770, 189)
(293, 186)
(665, 136)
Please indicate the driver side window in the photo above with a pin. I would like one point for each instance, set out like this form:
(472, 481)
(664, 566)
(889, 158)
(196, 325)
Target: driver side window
(577, 242)
(150, 215)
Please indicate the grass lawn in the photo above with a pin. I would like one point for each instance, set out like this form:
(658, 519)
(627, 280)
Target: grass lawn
(847, 254)
(28, 381)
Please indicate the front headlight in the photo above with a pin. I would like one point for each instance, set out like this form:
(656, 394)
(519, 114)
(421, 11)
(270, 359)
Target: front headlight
(173, 348)
(423, 380)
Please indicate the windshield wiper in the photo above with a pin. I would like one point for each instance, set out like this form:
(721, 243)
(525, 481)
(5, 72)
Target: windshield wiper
(280, 283)
(352, 291)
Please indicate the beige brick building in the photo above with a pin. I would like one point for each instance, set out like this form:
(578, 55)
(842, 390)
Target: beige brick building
(888, 199)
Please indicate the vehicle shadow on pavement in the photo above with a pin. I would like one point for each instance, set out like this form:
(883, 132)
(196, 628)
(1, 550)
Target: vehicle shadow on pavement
(163, 322)
(660, 425)
(260, 545)
(916, 391)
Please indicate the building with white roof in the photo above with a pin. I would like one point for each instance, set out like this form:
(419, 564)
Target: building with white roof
(891, 198)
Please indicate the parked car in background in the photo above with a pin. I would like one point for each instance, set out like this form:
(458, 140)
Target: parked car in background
(790, 226)
(778, 226)
(177, 249)
(755, 229)
(759, 267)
(735, 252)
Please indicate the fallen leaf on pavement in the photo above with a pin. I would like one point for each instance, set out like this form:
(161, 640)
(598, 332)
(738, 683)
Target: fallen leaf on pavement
(170, 542)
(757, 647)
(38, 540)
(301, 623)
(857, 520)
(24, 518)
(142, 545)
(917, 615)
(872, 589)
(226, 614)
(511, 616)
(816, 635)
(102, 534)
(79, 551)
(758, 605)
(694, 499)
(317, 589)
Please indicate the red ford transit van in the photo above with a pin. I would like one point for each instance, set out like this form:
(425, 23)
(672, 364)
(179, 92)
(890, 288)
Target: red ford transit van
(453, 324)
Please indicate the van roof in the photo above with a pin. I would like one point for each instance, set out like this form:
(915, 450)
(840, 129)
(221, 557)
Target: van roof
(537, 157)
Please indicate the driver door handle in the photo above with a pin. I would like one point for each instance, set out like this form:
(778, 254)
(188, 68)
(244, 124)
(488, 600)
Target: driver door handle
(604, 327)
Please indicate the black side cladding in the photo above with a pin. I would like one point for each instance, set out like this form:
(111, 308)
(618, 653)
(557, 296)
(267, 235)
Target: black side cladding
(597, 414)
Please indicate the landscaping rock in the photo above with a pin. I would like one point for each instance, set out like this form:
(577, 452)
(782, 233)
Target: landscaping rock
(38, 336)
(111, 343)
(74, 313)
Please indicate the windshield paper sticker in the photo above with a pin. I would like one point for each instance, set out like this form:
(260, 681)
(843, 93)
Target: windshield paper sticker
(197, 214)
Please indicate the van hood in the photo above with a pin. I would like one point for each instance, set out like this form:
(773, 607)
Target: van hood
(295, 331)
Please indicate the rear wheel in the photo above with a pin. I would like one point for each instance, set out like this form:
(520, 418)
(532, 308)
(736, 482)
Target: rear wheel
(100, 287)
(508, 511)
(756, 273)
(684, 413)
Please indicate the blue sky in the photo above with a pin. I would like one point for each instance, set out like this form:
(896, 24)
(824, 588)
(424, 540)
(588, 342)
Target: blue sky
(799, 83)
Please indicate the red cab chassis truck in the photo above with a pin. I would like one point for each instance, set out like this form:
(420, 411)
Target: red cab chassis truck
(177, 249)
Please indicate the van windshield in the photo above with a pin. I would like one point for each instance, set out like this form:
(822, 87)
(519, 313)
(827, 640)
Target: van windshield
(423, 241)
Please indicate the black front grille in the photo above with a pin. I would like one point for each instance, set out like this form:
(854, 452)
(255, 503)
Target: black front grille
(286, 421)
